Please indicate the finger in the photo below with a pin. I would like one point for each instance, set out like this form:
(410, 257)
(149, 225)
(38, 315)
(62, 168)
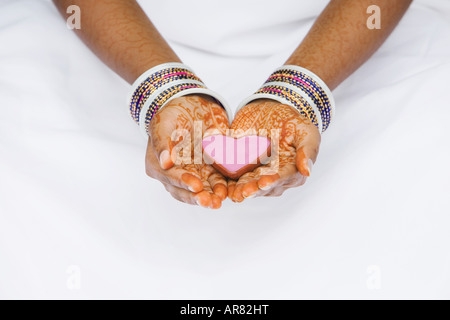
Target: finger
(231, 188)
(250, 180)
(162, 130)
(304, 161)
(256, 184)
(237, 195)
(266, 182)
(204, 199)
(176, 176)
(250, 189)
(213, 201)
(307, 150)
(218, 185)
(180, 178)
(192, 182)
(213, 181)
(216, 202)
(287, 176)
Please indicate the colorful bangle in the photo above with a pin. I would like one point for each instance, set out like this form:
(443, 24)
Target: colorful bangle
(301, 89)
(290, 96)
(161, 84)
(311, 85)
(150, 85)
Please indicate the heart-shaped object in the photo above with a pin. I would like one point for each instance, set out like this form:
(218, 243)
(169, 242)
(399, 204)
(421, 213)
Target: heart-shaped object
(234, 157)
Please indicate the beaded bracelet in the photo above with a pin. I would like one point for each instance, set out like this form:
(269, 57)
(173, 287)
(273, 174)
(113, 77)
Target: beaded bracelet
(301, 89)
(158, 86)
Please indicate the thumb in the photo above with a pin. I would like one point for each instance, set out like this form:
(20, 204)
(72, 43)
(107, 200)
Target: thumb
(163, 137)
(307, 151)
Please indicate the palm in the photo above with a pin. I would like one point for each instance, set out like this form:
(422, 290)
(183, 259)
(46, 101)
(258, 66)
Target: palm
(176, 133)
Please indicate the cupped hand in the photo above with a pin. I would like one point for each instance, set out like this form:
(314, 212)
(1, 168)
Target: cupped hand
(296, 142)
(171, 157)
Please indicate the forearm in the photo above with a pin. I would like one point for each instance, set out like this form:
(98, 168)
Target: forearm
(121, 35)
(340, 41)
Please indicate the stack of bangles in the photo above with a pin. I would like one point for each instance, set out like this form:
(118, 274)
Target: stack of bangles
(290, 85)
(158, 86)
(300, 89)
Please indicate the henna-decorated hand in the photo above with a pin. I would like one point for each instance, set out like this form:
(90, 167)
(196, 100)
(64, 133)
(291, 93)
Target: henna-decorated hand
(298, 141)
(185, 180)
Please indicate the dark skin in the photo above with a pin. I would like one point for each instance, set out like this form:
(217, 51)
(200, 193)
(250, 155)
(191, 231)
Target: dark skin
(340, 42)
(123, 37)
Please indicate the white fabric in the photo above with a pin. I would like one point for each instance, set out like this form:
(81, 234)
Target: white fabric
(74, 195)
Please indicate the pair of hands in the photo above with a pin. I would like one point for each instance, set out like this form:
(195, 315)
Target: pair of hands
(198, 183)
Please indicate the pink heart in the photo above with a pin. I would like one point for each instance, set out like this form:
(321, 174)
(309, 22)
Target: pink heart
(234, 157)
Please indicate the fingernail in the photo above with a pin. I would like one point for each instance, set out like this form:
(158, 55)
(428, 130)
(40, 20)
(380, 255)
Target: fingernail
(191, 189)
(265, 188)
(310, 166)
(250, 197)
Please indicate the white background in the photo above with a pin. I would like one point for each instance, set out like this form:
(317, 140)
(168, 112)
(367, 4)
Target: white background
(79, 218)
